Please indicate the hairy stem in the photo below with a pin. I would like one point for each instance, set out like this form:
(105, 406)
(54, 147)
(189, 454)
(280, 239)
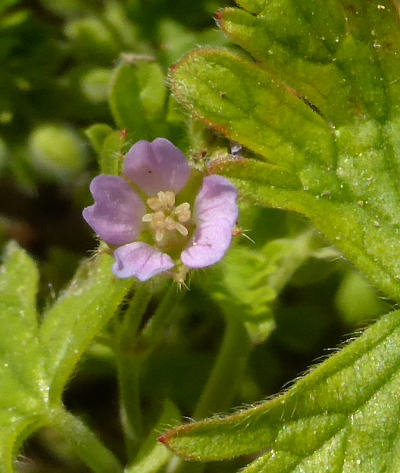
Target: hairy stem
(227, 371)
(132, 350)
(129, 362)
(85, 443)
(221, 387)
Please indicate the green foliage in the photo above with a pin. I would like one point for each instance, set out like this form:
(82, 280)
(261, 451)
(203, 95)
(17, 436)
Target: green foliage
(137, 98)
(57, 152)
(76, 317)
(357, 301)
(322, 116)
(341, 417)
(38, 360)
(318, 113)
(247, 283)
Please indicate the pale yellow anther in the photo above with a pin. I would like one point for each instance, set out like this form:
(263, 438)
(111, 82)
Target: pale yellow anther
(181, 229)
(167, 217)
(159, 235)
(183, 212)
(147, 218)
(154, 203)
(170, 223)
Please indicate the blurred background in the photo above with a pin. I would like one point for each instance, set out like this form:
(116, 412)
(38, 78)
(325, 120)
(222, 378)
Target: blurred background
(61, 64)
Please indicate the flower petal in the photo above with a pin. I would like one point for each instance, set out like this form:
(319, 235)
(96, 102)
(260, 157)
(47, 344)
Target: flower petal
(140, 260)
(156, 166)
(216, 212)
(208, 246)
(117, 212)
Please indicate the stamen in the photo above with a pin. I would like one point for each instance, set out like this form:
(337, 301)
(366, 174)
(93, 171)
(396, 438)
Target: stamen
(147, 218)
(181, 229)
(159, 234)
(167, 217)
(154, 203)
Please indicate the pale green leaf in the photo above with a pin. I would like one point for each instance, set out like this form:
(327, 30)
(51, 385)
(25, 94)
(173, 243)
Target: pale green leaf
(110, 157)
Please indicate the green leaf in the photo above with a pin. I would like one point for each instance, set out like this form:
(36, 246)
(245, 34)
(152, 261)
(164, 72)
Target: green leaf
(97, 135)
(357, 301)
(24, 381)
(92, 40)
(341, 417)
(247, 283)
(111, 155)
(57, 152)
(320, 110)
(77, 316)
(36, 362)
(7, 4)
(137, 98)
(95, 84)
(153, 455)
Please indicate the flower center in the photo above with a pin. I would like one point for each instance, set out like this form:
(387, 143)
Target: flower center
(167, 217)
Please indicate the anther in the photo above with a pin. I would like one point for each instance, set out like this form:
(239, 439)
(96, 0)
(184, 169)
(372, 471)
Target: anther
(167, 217)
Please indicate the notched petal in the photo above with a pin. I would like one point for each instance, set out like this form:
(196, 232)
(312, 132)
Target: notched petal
(156, 166)
(141, 261)
(215, 212)
(117, 212)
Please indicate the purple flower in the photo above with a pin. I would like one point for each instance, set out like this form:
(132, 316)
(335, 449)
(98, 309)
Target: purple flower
(143, 217)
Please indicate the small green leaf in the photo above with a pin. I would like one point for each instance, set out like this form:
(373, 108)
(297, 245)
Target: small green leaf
(341, 417)
(357, 301)
(248, 281)
(137, 98)
(110, 156)
(57, 152)
(95, 84)
(77, 316)
(97, 135)
(152, 455)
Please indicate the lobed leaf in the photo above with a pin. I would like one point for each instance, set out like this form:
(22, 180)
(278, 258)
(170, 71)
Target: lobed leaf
(321, 109)
(318, 111)
(97, 135)
(341, 417)
(36, 362)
